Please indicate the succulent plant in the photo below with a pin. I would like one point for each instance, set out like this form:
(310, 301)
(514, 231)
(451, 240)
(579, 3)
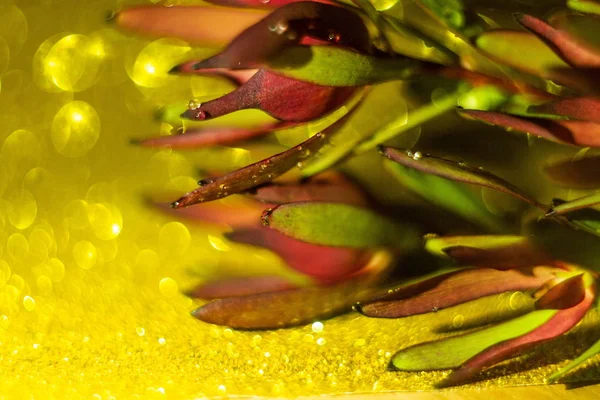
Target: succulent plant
(317, 65)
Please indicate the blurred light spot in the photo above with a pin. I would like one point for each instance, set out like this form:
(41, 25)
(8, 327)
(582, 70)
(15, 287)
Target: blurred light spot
(174, 239)
(168, 287)
(29, 303)
(85, 254)
(218, 243)
(75, 129)
(152, 65)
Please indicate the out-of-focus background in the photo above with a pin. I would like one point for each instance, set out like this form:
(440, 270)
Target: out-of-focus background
(92, 277)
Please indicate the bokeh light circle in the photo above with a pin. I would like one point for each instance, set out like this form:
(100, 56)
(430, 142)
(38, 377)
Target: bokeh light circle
(152, 65)
(75, 129)
(67, 63)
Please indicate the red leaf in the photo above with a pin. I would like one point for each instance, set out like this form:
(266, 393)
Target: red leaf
(254, 174)
(579, 173)
(566, 46)
(194, 24)
(284, 98)
(332, 188)
(562, 295)
(582, 108)
(240, 215)
(197, 138)
(537, 127)
(261, 3)
(238, 287)
(237, 76)
(583, 133)
(327, 264)
(584, 80)
(560, 323)
(290, 307)
(288, 25)
(454, 288)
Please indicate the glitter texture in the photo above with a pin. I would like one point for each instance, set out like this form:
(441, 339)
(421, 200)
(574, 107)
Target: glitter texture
(91, 278)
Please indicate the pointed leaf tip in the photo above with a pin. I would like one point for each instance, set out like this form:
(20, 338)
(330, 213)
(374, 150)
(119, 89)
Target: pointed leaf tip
(272, 94)
(564, 44)
(336, 224)
(457, 172)
(558, 323)
(255, 174)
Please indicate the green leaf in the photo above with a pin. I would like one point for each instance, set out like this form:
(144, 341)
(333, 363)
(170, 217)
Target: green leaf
(336, 66)
(574, 205)
(452, 352)
(457, 172)
(451, 12)
(521, 50)
(583, 357)
(415, 118)
(446, 194)
(333, 224)
(585, 6)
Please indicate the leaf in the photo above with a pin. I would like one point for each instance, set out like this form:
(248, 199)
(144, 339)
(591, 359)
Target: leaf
(336, 66)
(272, 93)
(583, 108)
(412, 120)
(495, 251)
(293, 307)
(195, 24)
(574, 205)
(585, 80)
(235, 76)
(239, 214)
(333, 189)
(564, 45)
(456, 172)
(586, 6)
(333, 224)
(562, 295)
(238, 287)
(452, 289)
(254, 174)
(560, 322)
(450, 13)
(446, 194)
(454, 351)
(578, 173)
(545, 129)
(521, 50)
(198, 138)
(325, 264)
(583, 357)
(259, 3)
(287, 26)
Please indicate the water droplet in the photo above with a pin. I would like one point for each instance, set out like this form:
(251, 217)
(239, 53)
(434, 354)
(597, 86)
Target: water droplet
(417, 156)
(194, 104)
(458, 321)
(265, 1)
(292, 35)
(281, 27)
(161, 341)
(140, 331)
(317, 327)
(409, 153)
(334, 37)
(434, 309)
(205, 181)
